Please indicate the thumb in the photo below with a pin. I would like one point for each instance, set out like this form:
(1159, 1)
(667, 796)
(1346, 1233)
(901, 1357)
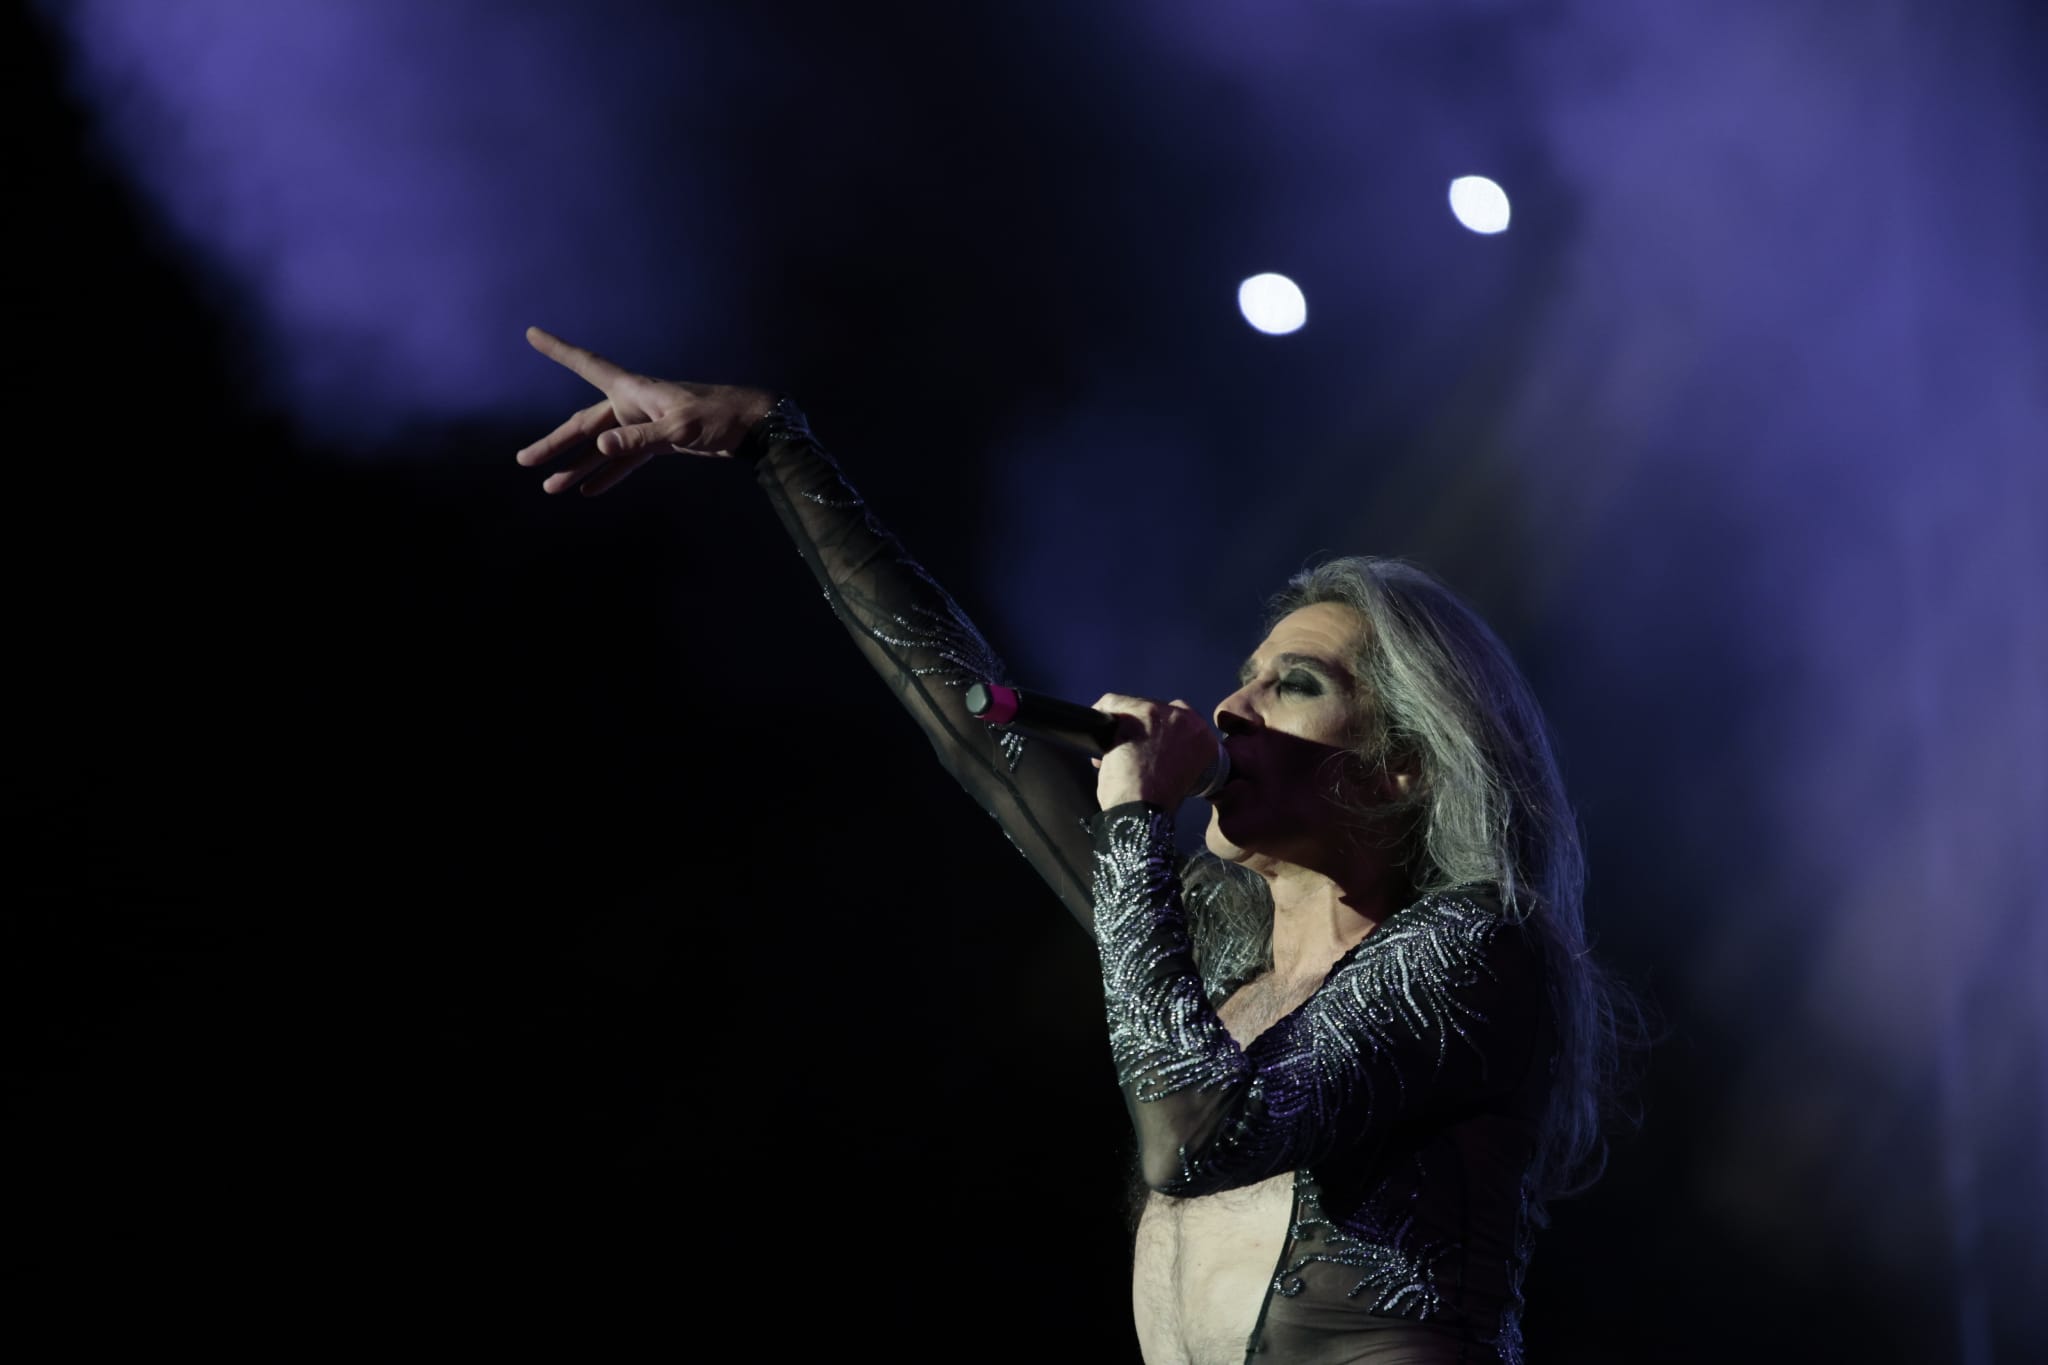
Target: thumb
(641, 437)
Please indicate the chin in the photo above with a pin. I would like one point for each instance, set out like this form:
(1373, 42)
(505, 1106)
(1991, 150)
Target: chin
(1219, 844)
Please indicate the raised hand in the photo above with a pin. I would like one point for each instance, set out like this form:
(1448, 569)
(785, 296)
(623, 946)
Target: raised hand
(1165, 748)
(637, 419)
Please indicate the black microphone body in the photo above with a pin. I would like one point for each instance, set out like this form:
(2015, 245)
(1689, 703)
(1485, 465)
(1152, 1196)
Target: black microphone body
(1069, 723)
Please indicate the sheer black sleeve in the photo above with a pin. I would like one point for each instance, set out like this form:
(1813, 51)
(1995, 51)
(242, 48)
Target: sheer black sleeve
(915, 635)
(1436, 1011)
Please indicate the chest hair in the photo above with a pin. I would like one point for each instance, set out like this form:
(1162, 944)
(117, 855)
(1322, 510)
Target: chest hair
(1261, 1003)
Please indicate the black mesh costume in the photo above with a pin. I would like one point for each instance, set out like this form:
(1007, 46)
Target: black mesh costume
(1404, 1095)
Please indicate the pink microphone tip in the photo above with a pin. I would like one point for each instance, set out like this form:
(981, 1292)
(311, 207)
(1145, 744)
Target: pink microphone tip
(1002, 704)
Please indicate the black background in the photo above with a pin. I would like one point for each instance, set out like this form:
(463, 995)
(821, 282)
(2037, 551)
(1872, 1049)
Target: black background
(443, 907)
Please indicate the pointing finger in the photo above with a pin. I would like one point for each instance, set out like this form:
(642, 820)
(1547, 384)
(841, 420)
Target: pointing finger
(589, 364)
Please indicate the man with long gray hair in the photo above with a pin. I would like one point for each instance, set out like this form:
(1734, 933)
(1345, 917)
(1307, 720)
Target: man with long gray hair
(1360, 1037)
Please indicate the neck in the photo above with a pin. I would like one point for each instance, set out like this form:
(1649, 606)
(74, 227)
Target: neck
(1318, 918)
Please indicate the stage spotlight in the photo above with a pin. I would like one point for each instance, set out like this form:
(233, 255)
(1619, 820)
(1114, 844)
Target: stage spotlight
(1273, 304)
(1479, 204)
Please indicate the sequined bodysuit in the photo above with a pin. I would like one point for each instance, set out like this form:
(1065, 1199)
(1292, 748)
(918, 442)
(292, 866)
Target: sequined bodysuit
(1403, 1095)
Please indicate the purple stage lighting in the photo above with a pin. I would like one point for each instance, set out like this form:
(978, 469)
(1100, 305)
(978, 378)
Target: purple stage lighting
(390, 192)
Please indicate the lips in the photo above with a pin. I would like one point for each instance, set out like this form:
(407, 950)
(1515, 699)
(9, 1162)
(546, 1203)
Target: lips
(1235, 778)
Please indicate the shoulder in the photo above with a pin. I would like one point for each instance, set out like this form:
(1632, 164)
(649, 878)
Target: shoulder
(1447, 984)
(1449, 941)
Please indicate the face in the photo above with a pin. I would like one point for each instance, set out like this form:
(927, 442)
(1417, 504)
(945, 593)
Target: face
(1289, 728)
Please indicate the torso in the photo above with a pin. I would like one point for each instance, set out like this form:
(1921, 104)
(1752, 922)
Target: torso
(1202, 1266)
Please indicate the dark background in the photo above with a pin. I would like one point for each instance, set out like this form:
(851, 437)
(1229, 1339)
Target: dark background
(438, 902)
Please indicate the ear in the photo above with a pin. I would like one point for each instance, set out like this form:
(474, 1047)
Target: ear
(1403, 774)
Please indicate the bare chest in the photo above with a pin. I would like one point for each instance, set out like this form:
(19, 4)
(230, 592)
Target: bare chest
(1202, 1266)
(1259, 1004)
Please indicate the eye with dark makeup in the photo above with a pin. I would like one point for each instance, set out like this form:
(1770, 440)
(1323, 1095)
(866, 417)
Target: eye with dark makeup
(1303, 684)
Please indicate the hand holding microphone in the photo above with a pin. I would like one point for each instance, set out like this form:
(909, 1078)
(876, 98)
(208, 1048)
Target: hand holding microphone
(1151, 751)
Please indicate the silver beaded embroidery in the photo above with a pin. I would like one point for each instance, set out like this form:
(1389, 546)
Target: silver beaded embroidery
(1404, 984)
(1163, 1033)
(1358, 1051)
(1396, 1267)
(1508, 1340)
(942, 631)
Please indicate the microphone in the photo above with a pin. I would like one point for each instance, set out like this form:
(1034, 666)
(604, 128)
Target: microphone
(1069, 723)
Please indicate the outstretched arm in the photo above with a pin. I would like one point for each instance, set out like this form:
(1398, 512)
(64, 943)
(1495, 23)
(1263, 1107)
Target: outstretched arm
(908, 627)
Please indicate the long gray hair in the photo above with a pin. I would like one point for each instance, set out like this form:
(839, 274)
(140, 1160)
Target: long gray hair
(1442, 696)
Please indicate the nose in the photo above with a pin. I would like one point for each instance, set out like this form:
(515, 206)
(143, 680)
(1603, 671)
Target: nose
(1234, 715)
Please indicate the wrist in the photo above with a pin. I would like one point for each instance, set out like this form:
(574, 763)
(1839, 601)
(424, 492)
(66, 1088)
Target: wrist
(1137, 806)
(1139, 795)
(773, 418)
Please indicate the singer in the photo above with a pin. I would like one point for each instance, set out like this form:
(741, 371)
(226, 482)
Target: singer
(1360, 1038)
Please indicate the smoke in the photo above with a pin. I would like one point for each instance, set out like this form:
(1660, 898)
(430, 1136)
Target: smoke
(385, 193)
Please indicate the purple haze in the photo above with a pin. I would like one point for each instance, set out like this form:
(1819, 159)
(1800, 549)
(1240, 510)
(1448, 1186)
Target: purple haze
(390, 192)
(1739, 433)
